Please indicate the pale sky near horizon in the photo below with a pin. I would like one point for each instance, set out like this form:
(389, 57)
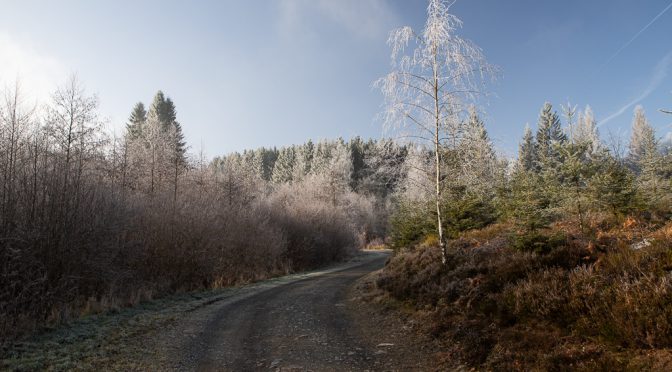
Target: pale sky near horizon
(245, 74)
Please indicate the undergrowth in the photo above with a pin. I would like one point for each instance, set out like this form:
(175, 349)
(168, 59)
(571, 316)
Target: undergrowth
(556, 299)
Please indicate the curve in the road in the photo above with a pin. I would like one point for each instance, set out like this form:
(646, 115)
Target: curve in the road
(298, 326)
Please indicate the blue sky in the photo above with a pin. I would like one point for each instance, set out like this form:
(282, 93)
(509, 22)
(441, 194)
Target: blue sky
(255, 73)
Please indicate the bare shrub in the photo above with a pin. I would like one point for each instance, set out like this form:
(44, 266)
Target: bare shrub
(317, 231)
(89, 223)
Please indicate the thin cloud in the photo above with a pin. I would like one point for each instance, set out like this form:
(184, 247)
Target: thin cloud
(366, 19)
(659, 74)
(636, 35)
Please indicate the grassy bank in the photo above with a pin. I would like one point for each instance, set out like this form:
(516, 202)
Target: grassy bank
(560, 300)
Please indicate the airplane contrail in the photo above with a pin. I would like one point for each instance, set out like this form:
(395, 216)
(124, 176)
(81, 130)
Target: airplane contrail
(636, 35)
(659, 74)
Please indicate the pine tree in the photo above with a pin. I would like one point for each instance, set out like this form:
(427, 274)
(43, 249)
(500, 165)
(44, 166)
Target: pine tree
(304, 158)
(321, 157)
(528, 205)
(384, 168)
(576, 170)
(550, 140)
(585, 131)
(549, 133)
(338, 171)
(647, 161)
(613, 187)
(260, 163)
(284, 166)
(527, 155)
(136, 121)
(163, 113)
(476, 155)
(168, 117)
(153, 153)
(357, 151)
(156, 109)
(642, 140)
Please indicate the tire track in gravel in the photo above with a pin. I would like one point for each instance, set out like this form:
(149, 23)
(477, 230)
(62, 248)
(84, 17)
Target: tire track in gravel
(299, 325)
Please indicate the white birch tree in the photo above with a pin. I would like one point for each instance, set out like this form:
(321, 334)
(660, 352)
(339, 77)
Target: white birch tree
(430, 85)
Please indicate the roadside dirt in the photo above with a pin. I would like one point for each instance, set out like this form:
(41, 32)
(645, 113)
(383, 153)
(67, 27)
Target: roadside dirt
(400, 341)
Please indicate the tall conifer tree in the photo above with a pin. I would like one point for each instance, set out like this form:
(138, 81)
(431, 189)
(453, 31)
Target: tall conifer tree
(527, 155)
(136, 121)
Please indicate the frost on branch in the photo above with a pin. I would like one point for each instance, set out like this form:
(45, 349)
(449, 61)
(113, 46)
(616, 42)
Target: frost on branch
(430, 87)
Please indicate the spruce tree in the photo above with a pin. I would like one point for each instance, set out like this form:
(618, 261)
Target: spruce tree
(642, 139)
(304, 158)
(550, 140)
(590, 127)
(527, 154)
(270, 156)
(357, 152)
(476, 156)
(168, 113)
(284, 166)
(613, 186)
(136, 121)
(157, 108)
(338, 171)
(528, 205)
(576, 170)
(475, 133)
(168, 118)
(653, 182)
(259, 163)
(549, 133)
(321, 157)
(646, 160)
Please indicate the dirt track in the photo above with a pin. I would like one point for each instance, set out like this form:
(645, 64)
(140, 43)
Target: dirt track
(302, 325)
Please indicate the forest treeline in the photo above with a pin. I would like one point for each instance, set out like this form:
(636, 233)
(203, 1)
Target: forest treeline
(561, 172)
(91, 221)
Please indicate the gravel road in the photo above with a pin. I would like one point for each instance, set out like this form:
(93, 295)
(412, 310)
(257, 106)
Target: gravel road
(296, 325)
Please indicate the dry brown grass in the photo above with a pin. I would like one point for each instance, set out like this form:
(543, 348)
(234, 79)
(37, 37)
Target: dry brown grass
(590, 303)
